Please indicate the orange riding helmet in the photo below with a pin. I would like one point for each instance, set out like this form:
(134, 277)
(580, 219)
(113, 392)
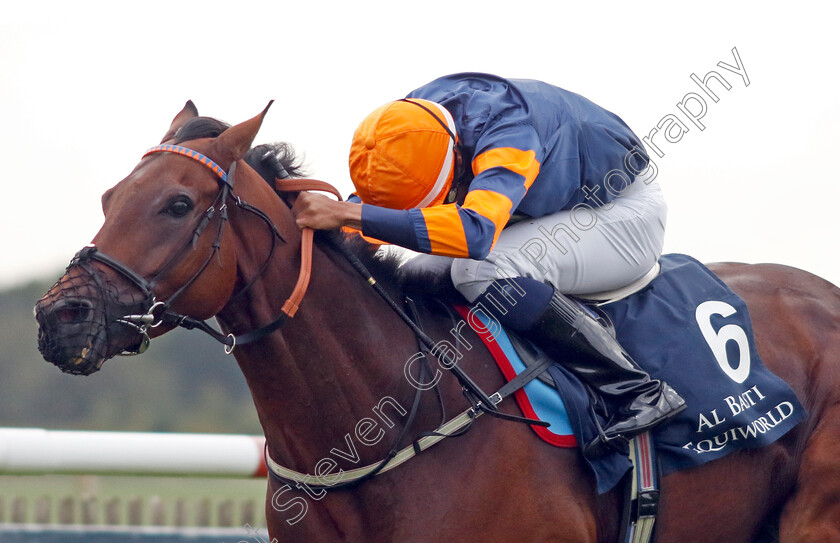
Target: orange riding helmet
(403, 155)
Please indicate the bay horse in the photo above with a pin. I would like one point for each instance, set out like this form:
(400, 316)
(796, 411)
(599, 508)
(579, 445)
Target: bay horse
(330, 385)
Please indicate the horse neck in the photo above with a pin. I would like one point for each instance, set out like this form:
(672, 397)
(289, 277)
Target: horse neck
(329, 366)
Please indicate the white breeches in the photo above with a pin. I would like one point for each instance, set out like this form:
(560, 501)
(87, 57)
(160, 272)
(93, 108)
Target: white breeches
(579, 251)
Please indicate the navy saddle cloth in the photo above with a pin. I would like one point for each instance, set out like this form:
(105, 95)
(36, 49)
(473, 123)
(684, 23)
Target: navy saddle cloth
(690, 330)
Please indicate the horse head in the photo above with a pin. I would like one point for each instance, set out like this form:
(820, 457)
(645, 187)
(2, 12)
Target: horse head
(167, 244)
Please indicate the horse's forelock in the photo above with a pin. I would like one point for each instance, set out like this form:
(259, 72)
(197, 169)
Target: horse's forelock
(200, 127)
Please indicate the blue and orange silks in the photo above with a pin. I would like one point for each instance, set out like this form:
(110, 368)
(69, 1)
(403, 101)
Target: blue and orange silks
(534, 149)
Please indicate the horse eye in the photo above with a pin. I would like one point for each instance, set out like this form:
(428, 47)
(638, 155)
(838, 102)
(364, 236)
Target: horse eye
(179, 207)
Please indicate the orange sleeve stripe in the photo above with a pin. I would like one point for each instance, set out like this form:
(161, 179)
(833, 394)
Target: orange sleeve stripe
(445, 231)
(492, 205)
(350, 231)
(518, 161)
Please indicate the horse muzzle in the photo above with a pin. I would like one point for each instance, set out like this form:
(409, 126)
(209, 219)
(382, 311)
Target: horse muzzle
(81, 320)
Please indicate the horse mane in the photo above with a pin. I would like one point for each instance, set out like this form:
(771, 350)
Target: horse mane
(275, 161)
(386, 268)
(280, 161)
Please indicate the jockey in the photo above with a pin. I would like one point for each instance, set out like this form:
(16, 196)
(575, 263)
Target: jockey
(526, 193)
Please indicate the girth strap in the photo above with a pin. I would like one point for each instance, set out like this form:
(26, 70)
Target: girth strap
(352, 476)
(450, 428)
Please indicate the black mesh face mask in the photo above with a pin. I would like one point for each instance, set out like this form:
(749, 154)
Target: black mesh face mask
(102, 307)
(81, 318)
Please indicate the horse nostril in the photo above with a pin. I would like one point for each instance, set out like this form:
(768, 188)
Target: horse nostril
(73, 310)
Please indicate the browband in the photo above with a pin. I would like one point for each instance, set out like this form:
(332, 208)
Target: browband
(195, 155)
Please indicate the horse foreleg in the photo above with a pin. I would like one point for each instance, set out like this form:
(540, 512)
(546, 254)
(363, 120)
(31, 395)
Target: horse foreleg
(813, 512)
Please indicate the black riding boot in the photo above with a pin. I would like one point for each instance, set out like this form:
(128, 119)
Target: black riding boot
(637, 402)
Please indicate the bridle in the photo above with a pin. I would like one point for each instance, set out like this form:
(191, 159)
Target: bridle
(160, 312)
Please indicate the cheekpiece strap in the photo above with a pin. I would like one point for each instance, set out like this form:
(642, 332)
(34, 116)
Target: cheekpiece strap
(195, 155)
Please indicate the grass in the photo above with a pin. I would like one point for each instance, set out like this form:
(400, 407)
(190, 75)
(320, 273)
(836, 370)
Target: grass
(168, 490)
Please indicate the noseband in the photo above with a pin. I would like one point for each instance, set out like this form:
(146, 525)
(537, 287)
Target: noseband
(160, 312)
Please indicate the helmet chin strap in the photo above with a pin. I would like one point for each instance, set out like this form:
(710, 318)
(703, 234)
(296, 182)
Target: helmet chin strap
(459, 177)
(443, 124)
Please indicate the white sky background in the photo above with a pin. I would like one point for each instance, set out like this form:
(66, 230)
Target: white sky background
(86, 87)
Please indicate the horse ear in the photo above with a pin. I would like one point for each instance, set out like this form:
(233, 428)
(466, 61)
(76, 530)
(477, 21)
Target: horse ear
(189, 112)
(236, 140)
